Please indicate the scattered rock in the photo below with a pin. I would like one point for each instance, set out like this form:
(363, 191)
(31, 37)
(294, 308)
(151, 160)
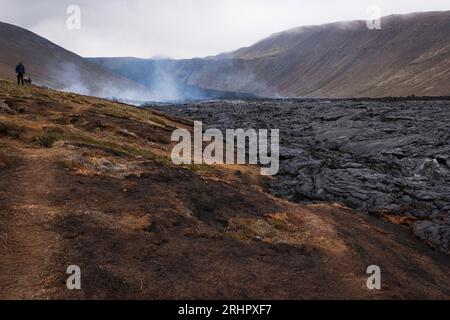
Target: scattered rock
(435, 232)
(5, 108)
(127, 133)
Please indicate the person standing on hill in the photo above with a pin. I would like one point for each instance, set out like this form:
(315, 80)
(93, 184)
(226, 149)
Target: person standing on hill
(20, 70)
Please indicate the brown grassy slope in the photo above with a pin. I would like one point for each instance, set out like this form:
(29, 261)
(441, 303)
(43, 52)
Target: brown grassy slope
(86, 181)
(409, 55)
(55, 67)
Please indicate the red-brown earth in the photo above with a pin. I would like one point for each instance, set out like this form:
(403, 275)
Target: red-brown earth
(89, 182)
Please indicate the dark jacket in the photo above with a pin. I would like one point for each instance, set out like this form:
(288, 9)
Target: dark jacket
(20, 69)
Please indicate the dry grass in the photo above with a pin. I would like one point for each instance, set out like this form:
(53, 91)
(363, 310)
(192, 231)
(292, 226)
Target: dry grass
(75, 190)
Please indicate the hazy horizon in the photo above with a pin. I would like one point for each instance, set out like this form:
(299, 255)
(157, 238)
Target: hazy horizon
(185, 29)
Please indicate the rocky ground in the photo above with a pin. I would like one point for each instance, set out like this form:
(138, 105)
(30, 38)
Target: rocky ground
(389, 158)
(90, 182)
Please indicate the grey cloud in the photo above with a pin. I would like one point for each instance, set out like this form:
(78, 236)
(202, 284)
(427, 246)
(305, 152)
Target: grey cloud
(184, 28)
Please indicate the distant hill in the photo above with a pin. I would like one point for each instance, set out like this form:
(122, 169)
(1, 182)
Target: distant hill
(55, 67)
(410, 55)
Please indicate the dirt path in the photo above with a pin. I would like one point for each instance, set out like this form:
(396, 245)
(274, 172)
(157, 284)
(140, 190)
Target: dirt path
(27, 243)
(139, 244)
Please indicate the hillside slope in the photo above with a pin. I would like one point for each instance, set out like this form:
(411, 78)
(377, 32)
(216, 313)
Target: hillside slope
(55, 67)
(410, 55)
(87, 181)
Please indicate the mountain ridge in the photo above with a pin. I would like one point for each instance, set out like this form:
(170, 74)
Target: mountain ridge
(408, 56)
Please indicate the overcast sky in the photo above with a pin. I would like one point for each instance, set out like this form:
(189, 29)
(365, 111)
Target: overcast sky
(185, 28)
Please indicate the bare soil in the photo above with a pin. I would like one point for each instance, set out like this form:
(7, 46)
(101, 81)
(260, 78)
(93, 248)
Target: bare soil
(88, 182)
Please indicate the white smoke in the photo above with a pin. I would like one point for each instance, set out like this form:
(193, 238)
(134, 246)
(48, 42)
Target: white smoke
(70, 79)
(69, 75)
(164, 86)
(160, 83)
